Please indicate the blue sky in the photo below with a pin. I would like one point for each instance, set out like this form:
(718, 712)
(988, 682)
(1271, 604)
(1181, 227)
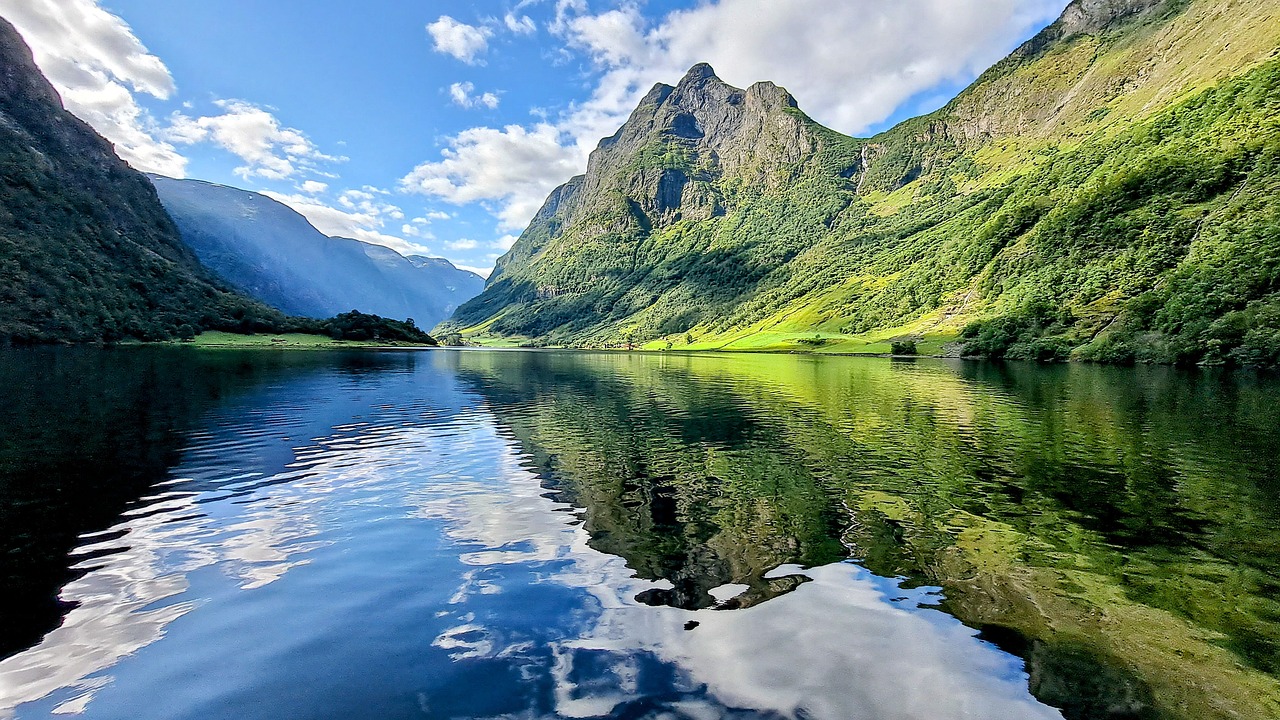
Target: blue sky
(439, 127)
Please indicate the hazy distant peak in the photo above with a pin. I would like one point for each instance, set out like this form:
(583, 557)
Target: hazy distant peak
(273, 253)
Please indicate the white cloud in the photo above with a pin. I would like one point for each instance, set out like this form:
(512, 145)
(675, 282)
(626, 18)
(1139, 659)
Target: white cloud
(416, 231)
(615, 37)
(566, 9)
(850, 66)
(515, 167)
(96, 63)
(314, 187)
(482, 272)
(505, 242)
(349, 198)
(462, 244)
(458, 39)
(461, 94)
(362, 219)
(268, 149)
(522, 25)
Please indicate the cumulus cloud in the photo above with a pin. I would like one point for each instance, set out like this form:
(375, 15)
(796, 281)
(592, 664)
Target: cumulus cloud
(522, 25)
(463, 95)
(416, 231)
(462, 244)
(314, 187)
(459, 39)
(512, 168)
(849, 67)
(96, 64)
(849, 64)
(856, 65)
(361, 216)
(269, 150)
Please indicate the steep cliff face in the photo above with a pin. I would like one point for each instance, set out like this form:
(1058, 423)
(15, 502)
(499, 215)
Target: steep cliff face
(680, 141)
(1091, 16)
(86, 251)
(1107, 190)
(668, 161)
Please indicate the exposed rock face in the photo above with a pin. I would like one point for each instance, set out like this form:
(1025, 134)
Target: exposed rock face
(547, 225)
(1008, 101)
(665, 163)
(681, 138)
(1090, 16)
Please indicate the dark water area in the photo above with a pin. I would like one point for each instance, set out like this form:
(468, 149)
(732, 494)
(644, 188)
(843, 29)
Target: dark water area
(485, 534)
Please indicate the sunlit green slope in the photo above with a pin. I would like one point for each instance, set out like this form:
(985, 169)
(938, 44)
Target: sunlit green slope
(1109, 190)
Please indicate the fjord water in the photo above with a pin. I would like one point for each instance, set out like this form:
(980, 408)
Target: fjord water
(454, 534)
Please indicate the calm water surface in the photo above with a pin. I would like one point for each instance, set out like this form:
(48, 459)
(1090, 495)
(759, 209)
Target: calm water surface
(469, 534)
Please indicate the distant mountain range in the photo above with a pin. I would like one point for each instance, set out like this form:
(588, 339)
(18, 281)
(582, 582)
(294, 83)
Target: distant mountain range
(270, 252)
(87, 253)
(1110, 191)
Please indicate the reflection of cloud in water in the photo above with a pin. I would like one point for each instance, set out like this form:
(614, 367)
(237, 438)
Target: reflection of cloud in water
(837, 647)
(834, 648)
(171, 535)
(149, 565)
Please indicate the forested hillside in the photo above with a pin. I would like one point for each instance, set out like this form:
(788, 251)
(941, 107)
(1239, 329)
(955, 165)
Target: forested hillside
(1107, 192)
(86, 251)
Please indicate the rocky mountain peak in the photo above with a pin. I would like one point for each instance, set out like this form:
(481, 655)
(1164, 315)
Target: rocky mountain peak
(771, 96)
(665, 163)
(699, 73)
(1090, 16)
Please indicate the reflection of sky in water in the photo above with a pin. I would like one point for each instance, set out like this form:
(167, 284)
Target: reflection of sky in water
(371, 546)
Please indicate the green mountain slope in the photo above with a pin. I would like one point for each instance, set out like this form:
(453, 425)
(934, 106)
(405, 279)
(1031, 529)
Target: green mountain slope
(1108, 190)
(86, 251)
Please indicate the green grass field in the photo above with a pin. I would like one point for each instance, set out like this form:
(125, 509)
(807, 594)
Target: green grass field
(289, 341)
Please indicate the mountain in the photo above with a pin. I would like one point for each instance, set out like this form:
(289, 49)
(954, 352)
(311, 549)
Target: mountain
(272, 253)
(87, 253)
(1108, 191)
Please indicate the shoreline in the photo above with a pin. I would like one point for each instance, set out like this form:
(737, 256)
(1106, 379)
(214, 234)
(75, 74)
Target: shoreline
(312, 343)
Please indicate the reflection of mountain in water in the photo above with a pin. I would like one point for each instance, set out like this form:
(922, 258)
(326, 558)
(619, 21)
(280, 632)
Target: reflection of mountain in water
(369, 513)
(138, 459)
(681, 480)
(1067, 511)
(297, 516)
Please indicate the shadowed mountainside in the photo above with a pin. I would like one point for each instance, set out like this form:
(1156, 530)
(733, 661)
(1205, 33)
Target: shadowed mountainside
(87, 253)
(270, 252)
